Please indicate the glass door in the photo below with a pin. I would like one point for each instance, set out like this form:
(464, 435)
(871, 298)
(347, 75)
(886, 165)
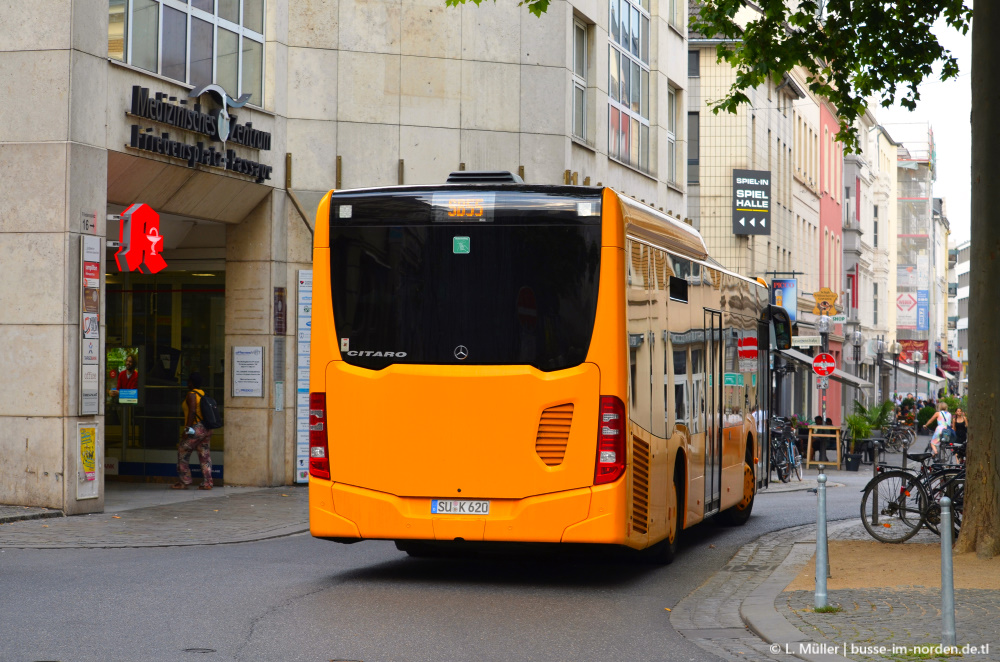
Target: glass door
(713, 411)
(164, 326)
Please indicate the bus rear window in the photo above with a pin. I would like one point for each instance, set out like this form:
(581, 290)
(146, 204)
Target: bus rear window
(511, 283)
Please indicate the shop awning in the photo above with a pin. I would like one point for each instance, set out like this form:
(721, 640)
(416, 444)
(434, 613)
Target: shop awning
(951, 365)
(944, 373)
(838, 374)
(907, 369)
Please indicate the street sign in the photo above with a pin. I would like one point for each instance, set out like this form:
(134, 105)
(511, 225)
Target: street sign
(824, 365)
(751, 202)
(806, 341)
(822, 382)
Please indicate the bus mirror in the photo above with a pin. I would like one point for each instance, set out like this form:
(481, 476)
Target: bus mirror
(780, 328)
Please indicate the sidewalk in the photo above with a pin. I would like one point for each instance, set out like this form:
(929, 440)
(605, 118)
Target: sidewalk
(760, 605)
(183, 517)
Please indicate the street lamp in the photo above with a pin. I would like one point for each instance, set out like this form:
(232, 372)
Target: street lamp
(824, 326)
(895, 349)
(918, 356)
(879, 351)
(856, 342)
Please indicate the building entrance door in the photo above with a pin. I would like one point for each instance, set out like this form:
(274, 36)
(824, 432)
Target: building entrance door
(160, 329)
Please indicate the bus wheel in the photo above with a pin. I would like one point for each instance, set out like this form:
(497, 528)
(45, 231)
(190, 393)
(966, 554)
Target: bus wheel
(740, 513)
(664, 552)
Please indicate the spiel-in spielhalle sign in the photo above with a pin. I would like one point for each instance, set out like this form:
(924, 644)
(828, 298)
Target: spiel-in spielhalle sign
(751, 202)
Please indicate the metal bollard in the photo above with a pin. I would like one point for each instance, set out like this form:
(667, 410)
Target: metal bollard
(822, 558)
(947, 577)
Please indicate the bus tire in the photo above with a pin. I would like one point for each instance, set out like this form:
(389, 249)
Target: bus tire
(739, 514)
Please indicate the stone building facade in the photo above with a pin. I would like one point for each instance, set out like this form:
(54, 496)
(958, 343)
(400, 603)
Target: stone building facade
(112, 110)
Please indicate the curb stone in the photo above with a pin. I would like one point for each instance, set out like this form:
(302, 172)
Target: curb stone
(759, 613)
(10, 514)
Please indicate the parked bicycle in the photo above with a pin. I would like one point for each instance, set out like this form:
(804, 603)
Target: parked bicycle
(785, 457)
(897, 438)
(898, 502)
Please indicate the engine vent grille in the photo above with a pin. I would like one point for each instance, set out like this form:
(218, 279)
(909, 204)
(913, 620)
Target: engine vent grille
(640, 485)
(553, 434)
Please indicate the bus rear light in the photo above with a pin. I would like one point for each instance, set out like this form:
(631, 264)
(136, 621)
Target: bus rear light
(319, 460)
(610, 441)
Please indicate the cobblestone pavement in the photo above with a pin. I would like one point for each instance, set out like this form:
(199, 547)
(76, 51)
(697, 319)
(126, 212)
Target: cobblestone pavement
(882, 617)
(714, 616)
(244, 517)
(710, 616)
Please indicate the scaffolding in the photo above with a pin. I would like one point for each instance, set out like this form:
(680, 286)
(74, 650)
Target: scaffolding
(916, 266)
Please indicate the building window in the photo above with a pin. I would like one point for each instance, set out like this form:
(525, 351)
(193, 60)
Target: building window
(671, 135)
(694, 64)
(580, 67)
(674, 13)
(875, 304)
(693, 128)
(198, 43)
(875, 233)
(628, 83)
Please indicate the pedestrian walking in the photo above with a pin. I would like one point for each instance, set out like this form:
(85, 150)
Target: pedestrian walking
(195, 438)
(961, 425)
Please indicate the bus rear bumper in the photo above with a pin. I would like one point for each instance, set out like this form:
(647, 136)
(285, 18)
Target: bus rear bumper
(585, 515)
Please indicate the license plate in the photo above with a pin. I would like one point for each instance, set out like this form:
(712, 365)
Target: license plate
(463, 507)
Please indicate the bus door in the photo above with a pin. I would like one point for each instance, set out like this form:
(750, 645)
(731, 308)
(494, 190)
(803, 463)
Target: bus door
(713, 410)
(763, 403)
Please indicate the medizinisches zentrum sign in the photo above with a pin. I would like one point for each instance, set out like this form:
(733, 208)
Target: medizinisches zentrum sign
(216, 124)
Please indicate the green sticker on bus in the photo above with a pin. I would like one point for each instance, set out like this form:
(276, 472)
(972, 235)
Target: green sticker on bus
(461, 245)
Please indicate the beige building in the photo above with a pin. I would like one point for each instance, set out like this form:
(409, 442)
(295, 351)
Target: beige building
(109, 108)
(757, 137)
(869, 255)
(885, 195)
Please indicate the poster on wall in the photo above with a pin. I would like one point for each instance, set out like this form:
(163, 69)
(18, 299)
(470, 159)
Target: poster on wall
(248, 372)
(304, 336)
(906, 311)
(906, 276)
(910, 346)
(923, 310)
(88, 450)
(123, 378)
(90, 324)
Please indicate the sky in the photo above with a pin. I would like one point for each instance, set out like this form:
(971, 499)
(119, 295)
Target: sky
(947, 107)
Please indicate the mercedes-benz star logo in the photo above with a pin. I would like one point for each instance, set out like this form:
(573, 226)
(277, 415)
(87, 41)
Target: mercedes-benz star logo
(461, 352)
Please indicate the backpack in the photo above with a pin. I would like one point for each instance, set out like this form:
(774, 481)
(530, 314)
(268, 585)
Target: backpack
(210, 416)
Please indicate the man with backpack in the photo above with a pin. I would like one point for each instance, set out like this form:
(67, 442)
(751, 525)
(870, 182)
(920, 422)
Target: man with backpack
(197, 435)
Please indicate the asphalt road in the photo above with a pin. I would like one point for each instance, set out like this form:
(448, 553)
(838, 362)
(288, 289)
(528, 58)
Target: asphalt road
(297, 598)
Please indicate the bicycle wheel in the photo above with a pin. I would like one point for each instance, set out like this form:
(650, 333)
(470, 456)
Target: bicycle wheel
(949, 483)
(795, 460)
(893, 505)
(780, 466)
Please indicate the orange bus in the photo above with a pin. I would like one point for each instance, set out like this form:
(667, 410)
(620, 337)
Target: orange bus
(507, 362)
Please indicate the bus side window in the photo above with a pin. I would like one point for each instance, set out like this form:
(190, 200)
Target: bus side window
(680, 387)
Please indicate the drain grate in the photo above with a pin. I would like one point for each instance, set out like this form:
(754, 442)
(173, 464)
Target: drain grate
(199, 650)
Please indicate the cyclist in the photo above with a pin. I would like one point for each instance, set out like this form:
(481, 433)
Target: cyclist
(943, 419)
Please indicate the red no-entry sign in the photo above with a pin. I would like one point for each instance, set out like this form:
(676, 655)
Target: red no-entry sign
(824, 365)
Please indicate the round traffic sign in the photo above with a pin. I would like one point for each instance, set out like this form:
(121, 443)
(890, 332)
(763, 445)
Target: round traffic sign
(824, 365)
